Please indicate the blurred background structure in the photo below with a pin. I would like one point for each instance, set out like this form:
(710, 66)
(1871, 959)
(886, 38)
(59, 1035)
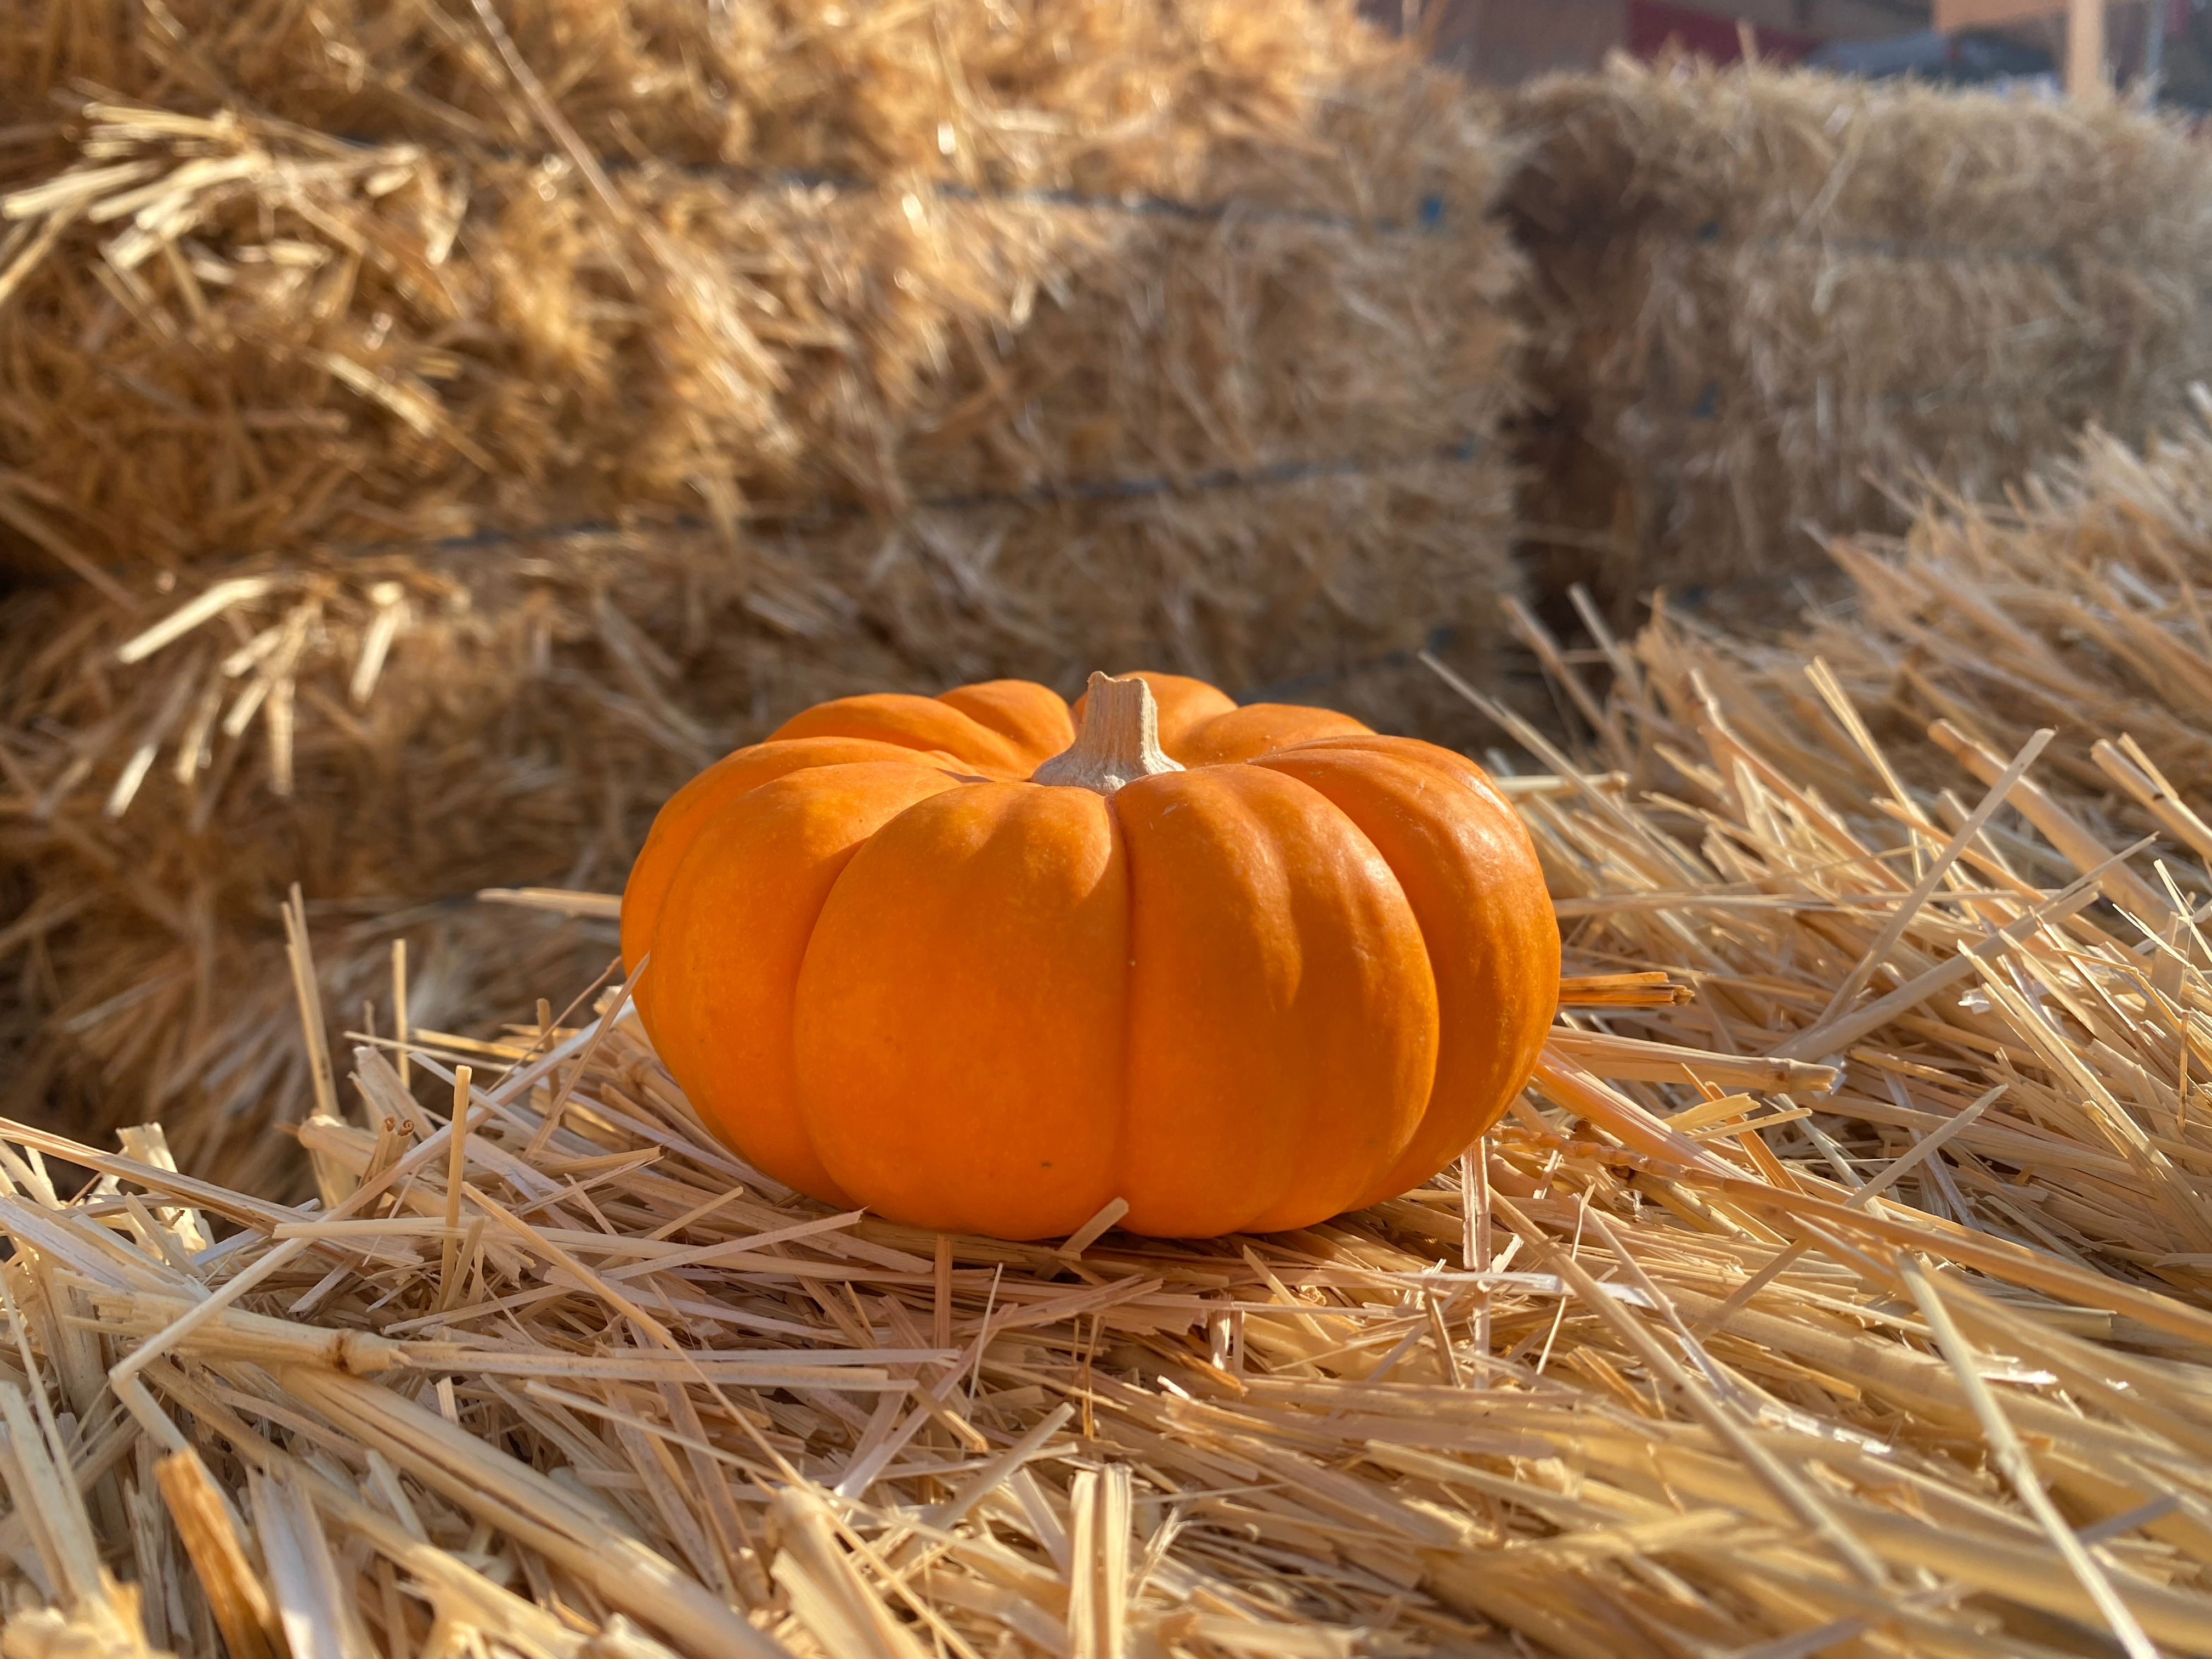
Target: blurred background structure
(1502, 42)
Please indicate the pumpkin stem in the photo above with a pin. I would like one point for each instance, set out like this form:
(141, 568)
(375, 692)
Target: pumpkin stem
(1118, 743)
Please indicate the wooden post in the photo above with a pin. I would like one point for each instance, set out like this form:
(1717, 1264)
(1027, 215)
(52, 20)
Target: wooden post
(2085, 48)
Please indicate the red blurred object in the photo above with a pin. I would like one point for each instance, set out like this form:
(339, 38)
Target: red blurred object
(1653, 25)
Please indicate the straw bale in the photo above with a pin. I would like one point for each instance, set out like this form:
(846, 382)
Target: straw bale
(440, 337)
(1105, 99)
(1712, 1346)
(1770, 297)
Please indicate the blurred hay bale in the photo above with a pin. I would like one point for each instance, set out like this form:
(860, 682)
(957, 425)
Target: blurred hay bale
(1280, 257)
(1070, 94)
(505, 442)
(1770, 297)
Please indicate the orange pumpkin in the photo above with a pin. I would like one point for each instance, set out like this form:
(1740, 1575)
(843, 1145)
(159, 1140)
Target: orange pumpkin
(1242, 967)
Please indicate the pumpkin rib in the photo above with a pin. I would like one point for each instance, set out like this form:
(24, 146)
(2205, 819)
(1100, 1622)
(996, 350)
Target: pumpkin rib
(1260, 729)
(1283, 1014)
(958, 1020)
(687, 811)
(733, 933)
(1436, 758)
(910, 722)
(1478, 894)
(1329, 1171)
(1033, 718)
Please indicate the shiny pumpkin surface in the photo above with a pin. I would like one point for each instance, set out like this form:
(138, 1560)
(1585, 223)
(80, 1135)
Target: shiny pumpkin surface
(1295, 977)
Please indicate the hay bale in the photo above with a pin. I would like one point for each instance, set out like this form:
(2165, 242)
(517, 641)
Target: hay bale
(1056, 94)
(1187, 349)
(441, 337)
(1770, 297)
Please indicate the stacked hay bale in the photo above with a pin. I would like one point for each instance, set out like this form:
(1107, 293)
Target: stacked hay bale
(1770, 297)
(466, 430)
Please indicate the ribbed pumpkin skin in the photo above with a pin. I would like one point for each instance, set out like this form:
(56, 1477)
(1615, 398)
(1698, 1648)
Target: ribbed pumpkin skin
(1294, 979)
